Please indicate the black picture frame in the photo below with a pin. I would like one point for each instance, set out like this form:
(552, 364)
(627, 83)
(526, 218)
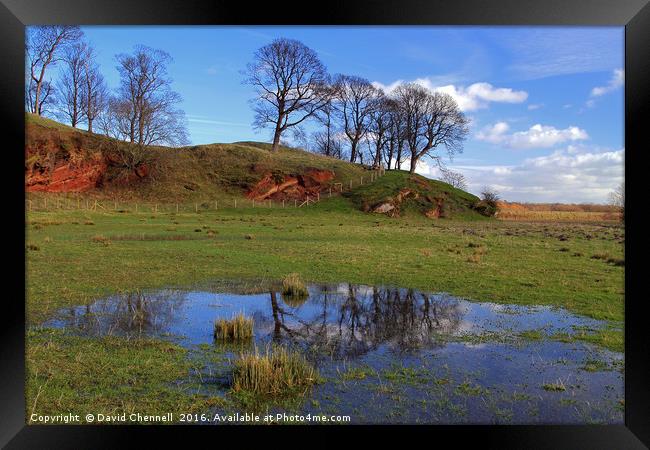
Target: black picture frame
(634, 15)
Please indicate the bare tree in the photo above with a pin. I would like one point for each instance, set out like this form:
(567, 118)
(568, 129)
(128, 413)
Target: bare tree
(144, 110)
(95, 93)
(617, 199)
(47, 97)
(291, 84)
(456, 179)
(431, 120)
(356, 100)
(327, 142)
(379, 128)
(70, 85)
(395, 142)
(44, 45)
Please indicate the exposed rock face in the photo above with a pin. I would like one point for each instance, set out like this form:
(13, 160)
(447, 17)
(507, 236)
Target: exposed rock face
(391, 207)
(294, 186)
(383, 208)
(67, 177)
(435, 213)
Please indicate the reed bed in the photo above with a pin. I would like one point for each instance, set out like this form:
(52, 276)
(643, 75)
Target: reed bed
(275, 371)
(238, 328)
(293, 286)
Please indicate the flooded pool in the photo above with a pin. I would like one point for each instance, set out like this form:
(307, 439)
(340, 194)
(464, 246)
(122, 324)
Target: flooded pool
(391, 355)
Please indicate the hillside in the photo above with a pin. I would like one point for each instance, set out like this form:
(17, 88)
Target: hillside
(400, 193)
(62, 159)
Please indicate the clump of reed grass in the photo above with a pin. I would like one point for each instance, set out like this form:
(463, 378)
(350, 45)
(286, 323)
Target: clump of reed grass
(238, 328)
(292, 286)
(275, 371)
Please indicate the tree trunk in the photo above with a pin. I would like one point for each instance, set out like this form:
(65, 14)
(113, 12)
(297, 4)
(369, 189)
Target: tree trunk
(398, 160)
(353, 151)
(37, 99)
(414, 162)
(90, 125)
(276, 139)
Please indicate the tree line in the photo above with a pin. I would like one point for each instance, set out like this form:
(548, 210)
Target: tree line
(354, 120)
(357, 119)
(143, 110)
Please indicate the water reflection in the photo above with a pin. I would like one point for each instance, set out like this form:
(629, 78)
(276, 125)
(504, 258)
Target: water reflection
(357, 320)
(339, 321)
(132, 314)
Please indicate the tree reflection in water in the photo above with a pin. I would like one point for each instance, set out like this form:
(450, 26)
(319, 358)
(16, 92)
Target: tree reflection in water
(132, 314)
(359, 320)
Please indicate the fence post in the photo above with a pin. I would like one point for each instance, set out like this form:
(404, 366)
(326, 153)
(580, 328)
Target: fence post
(216, 205)
(318, 196)
(283, 203)
(196, 207)
(235, 203)
(295, 203)
(253, 203)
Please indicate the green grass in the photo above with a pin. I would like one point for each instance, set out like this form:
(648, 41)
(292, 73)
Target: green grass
(108, 375)
(276, 371)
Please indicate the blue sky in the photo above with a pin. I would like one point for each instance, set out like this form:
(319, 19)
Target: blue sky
(545, 103)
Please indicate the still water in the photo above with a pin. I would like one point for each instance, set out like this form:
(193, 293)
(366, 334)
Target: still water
(392, 355)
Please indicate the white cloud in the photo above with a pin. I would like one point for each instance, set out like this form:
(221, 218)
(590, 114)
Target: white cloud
(470, 98)
(534, 106)
(615, 82)
(537, 136)
(573, 175)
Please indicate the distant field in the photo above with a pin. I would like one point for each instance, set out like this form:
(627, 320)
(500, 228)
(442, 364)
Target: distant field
(524, 215)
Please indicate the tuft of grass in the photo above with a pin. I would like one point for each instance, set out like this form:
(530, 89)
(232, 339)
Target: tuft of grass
(604, 256)
(292, 286)
(276, 371)
(33, 247)
(558, 386)
(238, 328)
(249, 237)
(100, 239)
(620, 262)
(474, 258)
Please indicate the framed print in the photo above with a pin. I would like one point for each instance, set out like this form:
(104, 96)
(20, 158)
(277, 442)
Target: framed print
(407, 215)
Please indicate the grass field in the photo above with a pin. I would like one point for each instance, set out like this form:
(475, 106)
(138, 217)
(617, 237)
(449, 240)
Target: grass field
(75, 256)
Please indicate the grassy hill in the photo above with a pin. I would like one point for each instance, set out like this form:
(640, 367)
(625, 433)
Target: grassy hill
(59, 158)
(405, 194)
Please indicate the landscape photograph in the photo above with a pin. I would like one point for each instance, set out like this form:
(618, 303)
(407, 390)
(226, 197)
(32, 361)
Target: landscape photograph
(318, 225)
